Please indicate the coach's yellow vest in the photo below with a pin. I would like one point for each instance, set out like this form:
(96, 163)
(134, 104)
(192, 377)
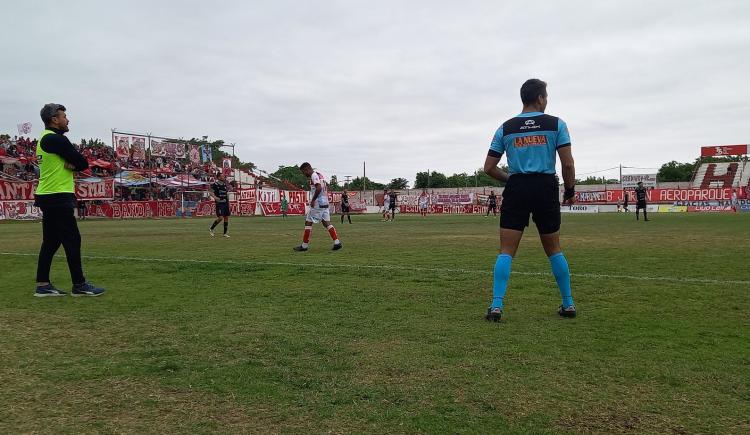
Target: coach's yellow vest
(54, 177)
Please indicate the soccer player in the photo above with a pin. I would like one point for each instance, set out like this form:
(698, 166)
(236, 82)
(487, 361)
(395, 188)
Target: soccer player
(491, 204)
(386, 205)
(220, 194)
(392, 204)
(345, 207)
(640, 201)
(284, 205)
(531, 140)
(423, 201)
(626, 202)
(319, 211)
(55, 195)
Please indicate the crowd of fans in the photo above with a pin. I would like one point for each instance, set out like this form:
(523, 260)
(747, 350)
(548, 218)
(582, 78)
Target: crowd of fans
(18, 162)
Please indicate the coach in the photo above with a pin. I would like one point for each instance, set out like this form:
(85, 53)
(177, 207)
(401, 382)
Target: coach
(55, 195)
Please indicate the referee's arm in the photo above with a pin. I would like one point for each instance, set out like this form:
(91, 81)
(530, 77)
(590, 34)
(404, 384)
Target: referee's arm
(491, 169)
(568, 171)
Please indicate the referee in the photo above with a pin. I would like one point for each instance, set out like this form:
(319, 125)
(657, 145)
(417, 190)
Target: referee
(531, 140)
(55, 195)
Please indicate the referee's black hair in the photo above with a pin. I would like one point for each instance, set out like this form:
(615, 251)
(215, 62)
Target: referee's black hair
(532, 89)
(305, 165)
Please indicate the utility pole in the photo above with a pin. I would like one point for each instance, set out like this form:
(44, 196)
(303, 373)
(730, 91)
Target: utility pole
(364, 177)
(347, 178)
(428, 178)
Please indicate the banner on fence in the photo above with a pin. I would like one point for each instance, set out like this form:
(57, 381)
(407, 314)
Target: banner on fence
(20, 210)
(445, 209)
(580, 209)
(630, 181)
(710, 208)
(86, 190)
(122, 146)
(167, 149)
(656, 195)
(138, 146)
(664, 208)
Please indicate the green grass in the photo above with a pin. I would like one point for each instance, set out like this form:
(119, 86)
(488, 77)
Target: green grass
(271, 343)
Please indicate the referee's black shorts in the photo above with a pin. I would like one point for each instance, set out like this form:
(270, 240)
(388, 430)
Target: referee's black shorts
(537, 195)
(222, 209)
(640, 204)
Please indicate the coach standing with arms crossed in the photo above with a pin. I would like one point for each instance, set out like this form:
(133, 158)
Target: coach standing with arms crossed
(531, 140)
(55, 195)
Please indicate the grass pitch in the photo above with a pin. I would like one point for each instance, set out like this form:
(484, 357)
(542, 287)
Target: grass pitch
(202, 335)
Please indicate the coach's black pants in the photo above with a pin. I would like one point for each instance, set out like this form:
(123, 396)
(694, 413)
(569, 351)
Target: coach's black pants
(59, 227)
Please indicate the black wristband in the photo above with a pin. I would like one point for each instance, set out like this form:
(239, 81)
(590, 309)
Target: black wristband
(569, 192)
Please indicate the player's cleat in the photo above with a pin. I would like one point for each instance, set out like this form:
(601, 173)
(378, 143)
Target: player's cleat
(337, 246)
(87, 289)
(226, 235)
(43, 291)
(211, 230)
(300, 248)
(493, 314)
(567, 312)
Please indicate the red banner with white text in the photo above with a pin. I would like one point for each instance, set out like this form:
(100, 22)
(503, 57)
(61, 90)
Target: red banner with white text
(725, 150)
(103, 189)
(658, 196)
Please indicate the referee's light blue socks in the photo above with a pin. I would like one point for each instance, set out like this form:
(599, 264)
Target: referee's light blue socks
(502, 275)
(562, 276)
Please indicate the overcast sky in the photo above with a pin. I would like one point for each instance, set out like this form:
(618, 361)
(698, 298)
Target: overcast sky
(403, 85)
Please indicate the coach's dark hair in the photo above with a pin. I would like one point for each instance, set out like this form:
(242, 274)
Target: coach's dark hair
(49, 111)
(532, 89)
(305, 165)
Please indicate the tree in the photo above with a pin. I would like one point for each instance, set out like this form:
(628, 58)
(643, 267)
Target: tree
(333, 184)
(93, 143)
(292, 175)
(398, 183)
(435, 179)
(359, 183)
(484, 180)
(597, 180)
(675, 171)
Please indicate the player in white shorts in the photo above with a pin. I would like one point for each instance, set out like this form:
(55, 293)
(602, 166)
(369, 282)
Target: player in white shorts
(423, 200)
(319, 208)
(386, 205)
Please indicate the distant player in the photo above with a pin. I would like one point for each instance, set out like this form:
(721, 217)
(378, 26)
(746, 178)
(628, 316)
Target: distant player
(626, 202)
(219, 191)
(531, 141)
(393, 197)
(386, 205)
(345, 209)
(284, 205)
(424, 200)
(319, 208)
(640, 197)
(491, 204)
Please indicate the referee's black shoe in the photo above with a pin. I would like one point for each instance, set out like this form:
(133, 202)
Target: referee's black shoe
(567, 312)
(493, 314)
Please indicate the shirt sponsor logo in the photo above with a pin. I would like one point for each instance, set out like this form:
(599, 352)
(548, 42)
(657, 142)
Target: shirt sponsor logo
(530, 141)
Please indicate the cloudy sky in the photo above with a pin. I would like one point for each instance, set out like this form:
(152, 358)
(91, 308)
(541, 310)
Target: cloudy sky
(403, 85)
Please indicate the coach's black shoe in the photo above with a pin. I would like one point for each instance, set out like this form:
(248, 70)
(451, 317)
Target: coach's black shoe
(337, 246)
(87, 289)
(567, 312)
(493, 314)
(43, 291)
(300, 248)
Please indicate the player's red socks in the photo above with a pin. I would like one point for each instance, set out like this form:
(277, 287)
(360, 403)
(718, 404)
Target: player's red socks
(332, 232)
(306, 236)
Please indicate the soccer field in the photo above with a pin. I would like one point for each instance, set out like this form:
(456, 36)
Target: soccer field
(200, 335)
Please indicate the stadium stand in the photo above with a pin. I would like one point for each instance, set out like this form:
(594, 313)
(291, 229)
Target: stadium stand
(717, 175)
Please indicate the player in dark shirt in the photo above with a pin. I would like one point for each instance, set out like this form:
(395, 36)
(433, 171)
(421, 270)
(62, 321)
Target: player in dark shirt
(491, 204)
(392, 205)
(220, 193)
(345, 208)
(640, 197)
(626, 202)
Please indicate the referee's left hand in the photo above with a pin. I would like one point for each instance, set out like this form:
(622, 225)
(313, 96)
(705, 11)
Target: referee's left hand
(569, 201)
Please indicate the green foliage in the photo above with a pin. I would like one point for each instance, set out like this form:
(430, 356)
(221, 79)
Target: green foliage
(333, 184)
(437, 179)
(93, 143)
(398, 183)
(597, 180)
(675, 171)
(218, 154)
(359, 183)
(292, 175)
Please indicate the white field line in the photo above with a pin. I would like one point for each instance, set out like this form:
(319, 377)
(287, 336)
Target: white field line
(391, 267)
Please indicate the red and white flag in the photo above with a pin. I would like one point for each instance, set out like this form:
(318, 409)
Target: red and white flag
(226, 166)
(24, 128)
